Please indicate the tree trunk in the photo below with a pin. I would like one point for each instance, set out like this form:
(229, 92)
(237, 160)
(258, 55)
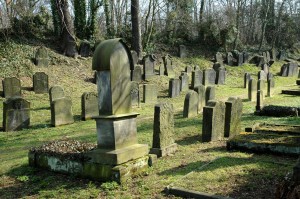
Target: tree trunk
(136, 31)
(264, 23)
(68, 36)
(108, 18)
(201, 11)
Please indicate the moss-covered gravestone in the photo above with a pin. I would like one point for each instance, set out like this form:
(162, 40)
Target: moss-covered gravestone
(61, 111)
(149, 64)
(209, 77)
(213, 121)
(41, 57)
(197, 78)
(56, 92)
(89, 105)
(252, 87)
(40, 83)
(16, 114)
(201, 97)
(174, 88)
(190, 108)
(163, 129)
(233, 116)
(11, 87)
(149, 93)
(220, 76)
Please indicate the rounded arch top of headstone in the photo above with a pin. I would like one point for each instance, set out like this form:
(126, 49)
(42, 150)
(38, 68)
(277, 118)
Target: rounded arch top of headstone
(108, 51)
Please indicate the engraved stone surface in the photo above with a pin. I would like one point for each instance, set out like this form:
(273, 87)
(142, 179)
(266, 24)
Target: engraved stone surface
(190, 108)
(56, 92)
(233, 116)
(174, 88)
(40, 82)
(149, 93)
(201, 97)
(61, 111)
(11, 87)
(89, 105)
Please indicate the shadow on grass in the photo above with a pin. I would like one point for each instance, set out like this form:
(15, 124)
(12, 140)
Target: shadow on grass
(41, 108)
(189, 140)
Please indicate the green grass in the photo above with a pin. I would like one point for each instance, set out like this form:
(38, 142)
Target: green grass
(243, 173)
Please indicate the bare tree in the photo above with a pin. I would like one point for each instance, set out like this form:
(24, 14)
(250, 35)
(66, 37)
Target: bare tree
(136, 30)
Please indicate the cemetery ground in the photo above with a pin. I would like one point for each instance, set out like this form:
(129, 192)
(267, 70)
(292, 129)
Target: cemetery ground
(204, 167)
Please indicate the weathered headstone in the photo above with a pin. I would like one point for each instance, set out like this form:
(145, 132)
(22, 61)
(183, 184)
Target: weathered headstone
(135, 94)
(11, 87)
(167, 59)
(89, 105)
(252, 87)
(270, 76)
(292, 69)
(16, 114)
(240, 59)
(221, 76)
(182, 51)
(209, 94)
(233, 116)
(247, 77)
(271, 85)
(40, 82)
(163, 130)
(265, 68)
(213, 121)
(137, 73)
(161, 70)
(188, 70)
(209, 77)
(149, 93)
(56, 92)
(259, 100)
(201, 97)
(169, 71)
(262, 75)
(61, 111)
(190, 108)
(216, 66)
(174, 88)
(85, 49)
(184, 82)
(261, 84)
(229, 59)
(197, 78)
(41, 57)
(149, 64)
(284, 70)
(196, 68)
(219, 58)
(134, 56)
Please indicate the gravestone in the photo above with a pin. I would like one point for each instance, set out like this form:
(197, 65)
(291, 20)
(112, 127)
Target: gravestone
(135, 94)
(197, 78)
(161, 70)
(182, 51)
(216, 66)
(85, 49)
(149, 93)
(174, 88)
(261, 84)
(209, 94)
(116, 124)
(292, 69)
(284, 70)
(240, 59)
(201, 97)
(184, 82)
(167, 59)
(169, 71)
(135, 58)
(196, 68)
(265, 68)
(262, 75)
(247, 77)
(40, 82)
(219, 58)
(233, 115)
(221, 76)
(213, 121)
(16, 114)
(11, 87)
(259, 100)
(271, 85)
(209, 77)
(188, 70)
(190, 108)
(89, 105)
(56, 92)
(137, 73)
(149, 64)
(252, 88)
(273, 54)
(61, 111)
(268, 56)
(163, 130)
(229, 59)
(41, 57)
(270, 76)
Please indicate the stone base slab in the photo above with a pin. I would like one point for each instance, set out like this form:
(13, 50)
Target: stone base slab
(86, 169)
(161, 152)
(291, 92)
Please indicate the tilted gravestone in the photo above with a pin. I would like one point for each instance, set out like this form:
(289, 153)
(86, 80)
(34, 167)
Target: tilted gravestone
(137, 73)
(135, 58)
(40, 82)
(229, 59)
(16, 114)
(252, 87)
(201, 97)
(135, 94)
(190, 108)
(149, 93)
(209, 94)
(163, 130)
(213, 121)
(270, 88)
(89, 105)
(174, 88)
(219, 58)
(85, 49)
(11, 87)
(209, 77)
(149, 64)
(221, 76)
(197, 78)
(61, 111)
(247, 77)
(184, 82)
(116, 124)
(41, 57)
(56, 92)
(182, 51)
(233, 116)
(259, 100)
